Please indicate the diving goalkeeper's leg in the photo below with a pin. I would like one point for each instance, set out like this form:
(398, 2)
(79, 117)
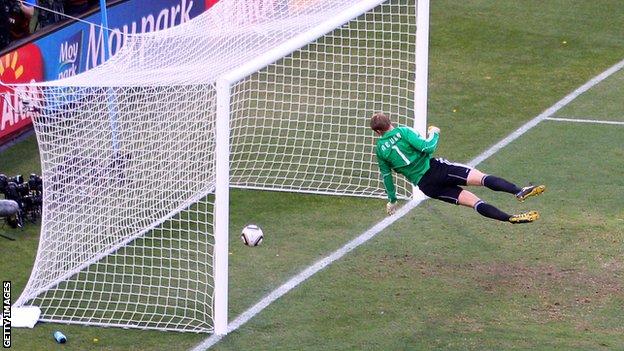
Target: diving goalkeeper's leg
(476, 177)
(466, 198)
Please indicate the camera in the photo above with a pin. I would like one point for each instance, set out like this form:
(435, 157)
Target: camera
(28, 196)
(10, 210)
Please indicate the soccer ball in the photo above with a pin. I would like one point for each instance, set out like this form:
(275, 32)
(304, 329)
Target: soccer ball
(252, 235)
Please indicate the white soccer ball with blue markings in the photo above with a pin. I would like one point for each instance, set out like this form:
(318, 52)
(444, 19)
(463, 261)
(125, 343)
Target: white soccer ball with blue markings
(252, 235)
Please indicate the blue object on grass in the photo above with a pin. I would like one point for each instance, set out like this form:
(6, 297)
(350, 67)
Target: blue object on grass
(59, 337)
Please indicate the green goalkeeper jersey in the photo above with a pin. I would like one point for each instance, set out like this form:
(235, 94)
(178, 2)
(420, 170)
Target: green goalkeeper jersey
(403, 150)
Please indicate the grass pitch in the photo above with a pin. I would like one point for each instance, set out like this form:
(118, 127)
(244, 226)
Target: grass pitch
(442, 277)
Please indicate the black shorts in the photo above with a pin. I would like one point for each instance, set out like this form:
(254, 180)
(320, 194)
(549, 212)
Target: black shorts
(443, 179)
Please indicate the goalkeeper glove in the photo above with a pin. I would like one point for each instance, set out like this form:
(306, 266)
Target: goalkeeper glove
(391, 208)
(433, 129)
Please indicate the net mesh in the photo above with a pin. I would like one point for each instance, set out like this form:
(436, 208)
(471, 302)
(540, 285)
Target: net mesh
(126, 229)
(127, 149)
(301, 124)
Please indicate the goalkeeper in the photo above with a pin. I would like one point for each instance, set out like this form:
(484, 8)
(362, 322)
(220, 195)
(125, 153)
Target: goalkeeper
(403, 150)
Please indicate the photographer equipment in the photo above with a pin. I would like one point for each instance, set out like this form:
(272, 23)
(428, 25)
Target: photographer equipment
(27, 195)
(8, 208)
(11, 210)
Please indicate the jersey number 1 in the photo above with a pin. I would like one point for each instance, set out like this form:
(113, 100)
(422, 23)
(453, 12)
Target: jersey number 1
(407, 161)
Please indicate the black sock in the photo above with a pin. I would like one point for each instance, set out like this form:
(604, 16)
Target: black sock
(499, 184)
(490, 211)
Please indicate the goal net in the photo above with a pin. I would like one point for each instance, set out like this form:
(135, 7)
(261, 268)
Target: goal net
(138, 154)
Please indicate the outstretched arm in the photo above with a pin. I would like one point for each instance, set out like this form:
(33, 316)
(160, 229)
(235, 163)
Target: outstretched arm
(428, 145)
(388, 181)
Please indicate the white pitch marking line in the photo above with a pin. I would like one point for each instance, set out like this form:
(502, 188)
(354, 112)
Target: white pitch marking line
(546, 114)
(311, 270)
(584, 121)
(377, 228)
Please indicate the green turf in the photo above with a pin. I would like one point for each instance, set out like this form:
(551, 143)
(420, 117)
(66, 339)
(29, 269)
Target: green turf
(500, 63)
(442, 277)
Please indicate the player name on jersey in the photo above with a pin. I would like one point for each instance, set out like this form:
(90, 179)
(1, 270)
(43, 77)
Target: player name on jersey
(391, 141)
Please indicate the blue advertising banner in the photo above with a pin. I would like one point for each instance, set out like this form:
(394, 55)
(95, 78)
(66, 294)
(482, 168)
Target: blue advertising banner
(80, 46)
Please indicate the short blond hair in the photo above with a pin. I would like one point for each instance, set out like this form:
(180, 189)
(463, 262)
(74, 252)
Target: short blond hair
(380, 122)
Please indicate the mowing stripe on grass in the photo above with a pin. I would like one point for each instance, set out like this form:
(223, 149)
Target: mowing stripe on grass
(584, 121)
(377, 228)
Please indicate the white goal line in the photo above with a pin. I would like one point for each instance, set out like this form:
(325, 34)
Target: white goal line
(578, 120)
(377, 228)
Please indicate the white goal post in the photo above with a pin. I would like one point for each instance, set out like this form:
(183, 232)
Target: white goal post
(138, 155)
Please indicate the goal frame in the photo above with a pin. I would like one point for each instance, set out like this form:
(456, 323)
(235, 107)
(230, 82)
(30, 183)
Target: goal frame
(224, 110)
(223, 93)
